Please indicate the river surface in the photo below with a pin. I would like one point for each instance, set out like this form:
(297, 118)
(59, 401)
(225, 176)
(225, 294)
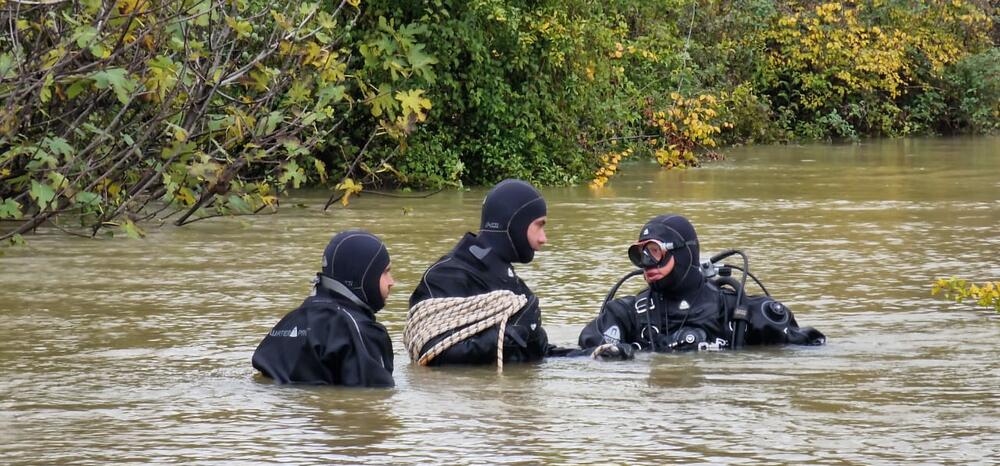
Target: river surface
(138, 351)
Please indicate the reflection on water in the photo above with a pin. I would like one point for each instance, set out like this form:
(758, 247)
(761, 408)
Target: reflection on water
(139, 351)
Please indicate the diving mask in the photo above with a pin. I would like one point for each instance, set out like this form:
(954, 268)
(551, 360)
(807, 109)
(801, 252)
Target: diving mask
(653, 253)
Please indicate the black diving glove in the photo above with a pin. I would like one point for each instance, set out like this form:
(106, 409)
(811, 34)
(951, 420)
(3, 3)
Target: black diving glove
(613, 352)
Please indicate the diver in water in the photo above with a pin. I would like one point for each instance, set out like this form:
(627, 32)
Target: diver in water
(512, 228)
(333, 338)
(683, 309)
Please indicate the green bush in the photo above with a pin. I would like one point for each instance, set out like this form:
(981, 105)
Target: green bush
(973, 92)
(115, 112)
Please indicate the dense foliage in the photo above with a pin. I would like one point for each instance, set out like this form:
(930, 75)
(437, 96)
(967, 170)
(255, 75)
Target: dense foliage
(117, 111)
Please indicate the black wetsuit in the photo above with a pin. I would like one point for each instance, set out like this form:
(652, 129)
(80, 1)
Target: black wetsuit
(333, 338)
(683, 310)
(701, 316)
(472, 269)
(327, 340)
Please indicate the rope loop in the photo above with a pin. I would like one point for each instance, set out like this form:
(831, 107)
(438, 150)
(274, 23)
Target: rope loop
(468, 316)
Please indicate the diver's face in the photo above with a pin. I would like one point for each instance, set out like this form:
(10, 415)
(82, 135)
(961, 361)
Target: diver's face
(385, 282)
(654, 275)
(536, 233)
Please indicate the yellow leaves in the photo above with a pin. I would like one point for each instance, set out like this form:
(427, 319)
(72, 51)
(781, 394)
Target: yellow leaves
(185, 195)
(987, 295)
(334, 72)
(264, 193)
(320, 169)
(239, 122)
(315, 55)
(280, 19)
(180, 134)
(242, 28)
(128, 7)
(412, 103)
(354, 3)
(349, 187)
(53, 57)
(685, 125)
(619, 49)
(609, 165)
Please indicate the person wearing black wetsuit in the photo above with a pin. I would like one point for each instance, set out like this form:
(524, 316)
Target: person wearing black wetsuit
(333, 338)
(681, 309)
(511, 230)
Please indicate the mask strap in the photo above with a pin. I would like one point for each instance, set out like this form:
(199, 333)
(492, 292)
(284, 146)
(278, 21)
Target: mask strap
(339, 288)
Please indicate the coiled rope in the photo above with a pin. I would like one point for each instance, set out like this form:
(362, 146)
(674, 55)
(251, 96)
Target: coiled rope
(433, 317)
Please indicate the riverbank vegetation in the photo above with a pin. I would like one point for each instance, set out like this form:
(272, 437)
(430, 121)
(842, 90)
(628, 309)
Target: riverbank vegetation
(116, 113)
(986, 295)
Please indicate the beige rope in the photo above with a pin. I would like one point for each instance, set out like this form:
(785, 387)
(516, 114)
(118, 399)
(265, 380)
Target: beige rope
(436, 316)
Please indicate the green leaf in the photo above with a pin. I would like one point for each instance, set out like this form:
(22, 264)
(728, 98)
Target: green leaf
(59, 146)
(10, 208)
(45, 94)
(421, 62)
(42, 194)
(91, 6)
(269, 123)
(292, 173)
(201, 12)
(307, 9)
(117, 79)
(87, 198)
(6, 66)
(132, 230)
(326, 20)
(78, 87)
(383, 102)
(41, 158)
(299, 92)
(329, 95)
(84, 35)
(59, 182)
(17, 240)
(238, 204)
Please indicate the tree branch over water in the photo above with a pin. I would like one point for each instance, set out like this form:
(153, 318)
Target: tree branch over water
(215, 107)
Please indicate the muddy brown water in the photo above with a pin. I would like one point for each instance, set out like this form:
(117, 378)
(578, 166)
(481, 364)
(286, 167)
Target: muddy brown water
(123, 351)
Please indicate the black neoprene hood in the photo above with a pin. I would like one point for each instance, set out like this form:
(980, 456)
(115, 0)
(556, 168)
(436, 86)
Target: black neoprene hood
(677, 230)
(508, 210)
(356, 259)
